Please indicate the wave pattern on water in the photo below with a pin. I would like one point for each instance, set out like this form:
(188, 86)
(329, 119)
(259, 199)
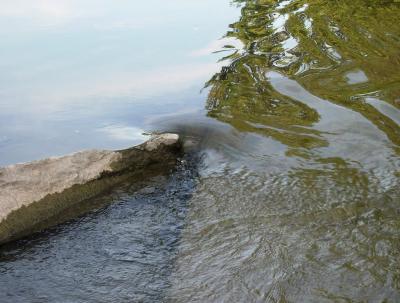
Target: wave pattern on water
(308, 208)
(306, 236)
(121, 252)
(297, 197)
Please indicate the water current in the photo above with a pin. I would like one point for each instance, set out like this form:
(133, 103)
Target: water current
(292, 191)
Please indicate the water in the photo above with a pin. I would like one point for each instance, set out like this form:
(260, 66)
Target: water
(120, 252)
(296, 196)
(87, 74)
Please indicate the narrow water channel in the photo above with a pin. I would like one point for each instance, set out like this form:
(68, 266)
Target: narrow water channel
(292, 191)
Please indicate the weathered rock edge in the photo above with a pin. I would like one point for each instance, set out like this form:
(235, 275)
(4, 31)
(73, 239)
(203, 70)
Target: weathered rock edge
(32, 193)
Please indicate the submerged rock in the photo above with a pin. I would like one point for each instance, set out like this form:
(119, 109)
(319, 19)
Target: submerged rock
(34, 193)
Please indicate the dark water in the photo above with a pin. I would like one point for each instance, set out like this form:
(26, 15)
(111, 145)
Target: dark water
(121, 252)
(296, 197)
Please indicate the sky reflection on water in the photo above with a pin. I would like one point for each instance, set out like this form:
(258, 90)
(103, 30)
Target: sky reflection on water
(79, 74)
(296, 198)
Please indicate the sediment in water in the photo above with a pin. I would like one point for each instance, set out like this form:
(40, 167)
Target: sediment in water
(31, 194)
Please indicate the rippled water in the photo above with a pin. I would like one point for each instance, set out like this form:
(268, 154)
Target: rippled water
(296, 197)
(121, 252)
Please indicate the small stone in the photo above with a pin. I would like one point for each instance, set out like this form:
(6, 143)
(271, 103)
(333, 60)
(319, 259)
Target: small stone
(147, 190)
(159, 140)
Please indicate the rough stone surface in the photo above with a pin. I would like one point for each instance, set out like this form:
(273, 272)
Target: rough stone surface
(163, 139)
(22, 184)
(34, 192)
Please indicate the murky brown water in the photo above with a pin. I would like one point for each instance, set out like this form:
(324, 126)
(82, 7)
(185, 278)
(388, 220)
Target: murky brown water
(297, 197)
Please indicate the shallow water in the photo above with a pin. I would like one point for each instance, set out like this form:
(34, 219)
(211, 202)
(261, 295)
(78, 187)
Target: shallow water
(123, 251)
(296, 197)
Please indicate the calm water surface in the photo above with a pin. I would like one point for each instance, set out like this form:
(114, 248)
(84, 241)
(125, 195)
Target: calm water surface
(94, 74)
(293, 194)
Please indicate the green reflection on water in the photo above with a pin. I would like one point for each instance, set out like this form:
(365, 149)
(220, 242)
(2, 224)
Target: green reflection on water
(345, 52)
(323, 78)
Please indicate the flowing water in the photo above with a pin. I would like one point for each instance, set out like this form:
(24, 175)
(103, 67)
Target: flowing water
(292, 191)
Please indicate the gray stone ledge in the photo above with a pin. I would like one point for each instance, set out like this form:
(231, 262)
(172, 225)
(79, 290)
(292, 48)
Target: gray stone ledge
(33, 193)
